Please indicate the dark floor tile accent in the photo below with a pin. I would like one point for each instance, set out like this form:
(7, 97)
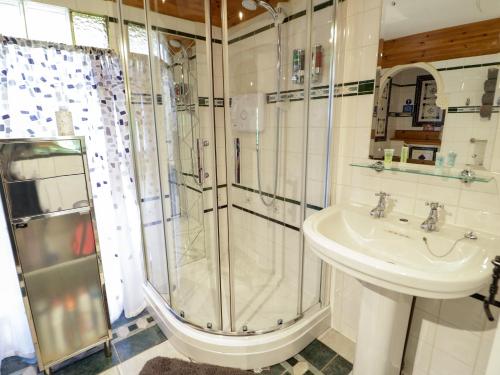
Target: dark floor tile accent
(141, 341)
(90, 365)
(276, 369)
(123, 321)
(132, 327)
(318, 354)
(339, 366)
(13, 364)
(292, 361)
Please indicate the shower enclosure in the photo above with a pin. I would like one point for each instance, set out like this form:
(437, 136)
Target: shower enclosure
(222, 204)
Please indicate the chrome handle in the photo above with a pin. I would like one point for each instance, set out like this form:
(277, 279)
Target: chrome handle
(237, 162)
(382, 194)
(200, 145)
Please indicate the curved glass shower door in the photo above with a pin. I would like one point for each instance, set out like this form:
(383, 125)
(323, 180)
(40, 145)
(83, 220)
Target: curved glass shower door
(184, 148)
(235, 193)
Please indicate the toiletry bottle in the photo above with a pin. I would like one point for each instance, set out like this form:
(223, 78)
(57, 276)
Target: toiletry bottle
(64, 120)
(451, 160)
(404, 155)
(388, 155)
(439, 163)
(316, 63)
(298, 66)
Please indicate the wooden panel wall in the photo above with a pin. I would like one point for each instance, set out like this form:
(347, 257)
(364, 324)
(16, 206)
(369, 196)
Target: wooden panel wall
(473, 39)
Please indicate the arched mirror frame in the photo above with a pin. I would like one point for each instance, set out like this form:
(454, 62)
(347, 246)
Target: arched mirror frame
(441, 100)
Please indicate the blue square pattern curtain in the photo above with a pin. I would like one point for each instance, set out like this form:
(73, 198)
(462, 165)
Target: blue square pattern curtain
(36, 80)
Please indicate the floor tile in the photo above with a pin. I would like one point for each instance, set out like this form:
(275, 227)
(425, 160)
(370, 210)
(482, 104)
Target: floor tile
(13, 364)
(90, 365)
(139, 342)
(292, 361)
(318, 354)
(339, 343)
(122, 320)
(339, 366)
(135, 364)
(112, 371)
(275, 370)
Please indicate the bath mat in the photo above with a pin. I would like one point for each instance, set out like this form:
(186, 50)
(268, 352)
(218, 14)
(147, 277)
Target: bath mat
(172, 366)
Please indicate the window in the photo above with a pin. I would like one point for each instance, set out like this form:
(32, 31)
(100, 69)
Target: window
(11, 19)
(52, 24)
(47, 22)
(137, 39)
(90, 30)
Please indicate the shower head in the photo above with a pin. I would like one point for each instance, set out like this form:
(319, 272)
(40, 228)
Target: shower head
(175, 43)
(253, 4)
(249, 5)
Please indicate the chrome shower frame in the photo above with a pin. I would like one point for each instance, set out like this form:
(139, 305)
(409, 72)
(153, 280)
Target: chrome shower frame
(227, 310)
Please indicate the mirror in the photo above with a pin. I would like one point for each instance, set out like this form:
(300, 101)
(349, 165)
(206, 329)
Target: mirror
(437, 85)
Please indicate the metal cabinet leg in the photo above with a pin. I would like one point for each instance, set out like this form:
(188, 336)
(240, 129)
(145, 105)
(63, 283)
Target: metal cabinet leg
(47, 371)
(107, 348)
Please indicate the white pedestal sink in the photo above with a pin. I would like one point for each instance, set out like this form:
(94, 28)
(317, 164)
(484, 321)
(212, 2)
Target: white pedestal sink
(392, 260)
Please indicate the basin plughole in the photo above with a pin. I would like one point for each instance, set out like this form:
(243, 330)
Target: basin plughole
(396, 260)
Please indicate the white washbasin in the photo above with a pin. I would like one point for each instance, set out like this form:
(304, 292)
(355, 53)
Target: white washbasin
(392, 254)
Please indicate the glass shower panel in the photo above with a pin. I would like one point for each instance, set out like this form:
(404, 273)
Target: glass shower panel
(185, 148)
(265, 239)
(147, 161)
(318, 148)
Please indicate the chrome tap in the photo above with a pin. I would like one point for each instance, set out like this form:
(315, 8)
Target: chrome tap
(379, 211)
(430, 224)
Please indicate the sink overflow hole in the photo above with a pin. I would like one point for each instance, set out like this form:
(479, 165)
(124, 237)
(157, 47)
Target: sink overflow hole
(403, 220)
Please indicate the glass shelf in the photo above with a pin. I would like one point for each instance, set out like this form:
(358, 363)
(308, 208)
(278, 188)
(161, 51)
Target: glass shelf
(410, 168)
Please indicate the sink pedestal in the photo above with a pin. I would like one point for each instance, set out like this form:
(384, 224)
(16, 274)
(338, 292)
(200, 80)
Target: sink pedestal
(383, 323)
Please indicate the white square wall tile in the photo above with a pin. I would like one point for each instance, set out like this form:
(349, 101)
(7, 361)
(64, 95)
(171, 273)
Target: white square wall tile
(423, 326)
(368, 65)
(418, 356)
(460, 343)
(364, 111)
(443, 363)
(465, 313)
(370, 27)
(352, 65)
(438, 194)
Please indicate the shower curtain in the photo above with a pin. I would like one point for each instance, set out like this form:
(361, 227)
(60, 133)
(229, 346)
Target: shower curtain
(37, 79)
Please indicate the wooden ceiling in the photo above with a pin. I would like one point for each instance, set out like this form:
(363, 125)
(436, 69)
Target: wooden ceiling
(194, 10)
(473, 39)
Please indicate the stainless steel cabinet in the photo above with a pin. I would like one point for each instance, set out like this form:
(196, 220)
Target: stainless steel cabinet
(46, 196)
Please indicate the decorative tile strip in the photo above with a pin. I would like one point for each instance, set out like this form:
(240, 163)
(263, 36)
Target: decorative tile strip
(203, 101)
(266, 217)
(319, 92)
(140, 98)
(469, 66)
(152, 223)
(149, 199)
(283, 199)
(354, 88)
(400, 114)
(470, 109)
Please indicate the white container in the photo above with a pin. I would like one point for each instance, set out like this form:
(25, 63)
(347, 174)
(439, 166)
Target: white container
(64, 120)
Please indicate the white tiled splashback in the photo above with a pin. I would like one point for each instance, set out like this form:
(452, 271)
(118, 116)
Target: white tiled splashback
(447, 337)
